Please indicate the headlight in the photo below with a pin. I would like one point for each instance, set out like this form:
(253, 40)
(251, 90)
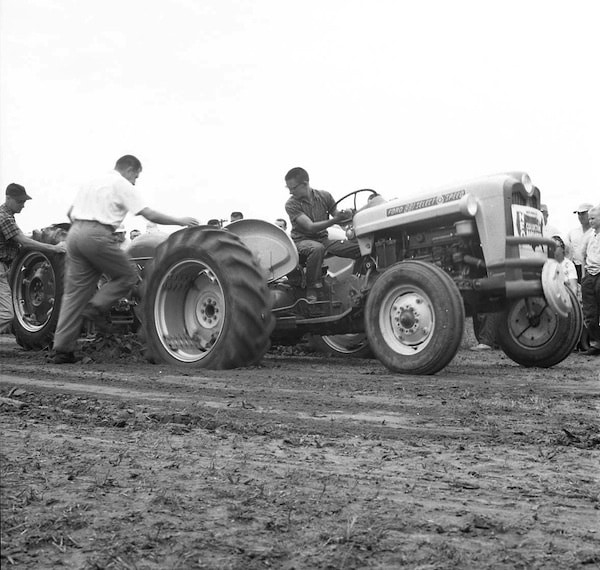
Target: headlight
(527, 183)
(468, 205)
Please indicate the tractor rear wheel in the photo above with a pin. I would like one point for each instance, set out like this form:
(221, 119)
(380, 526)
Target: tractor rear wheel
(36, 281)
(354, 345)
(206, 302)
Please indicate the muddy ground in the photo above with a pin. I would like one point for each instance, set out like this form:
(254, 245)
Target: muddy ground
(301, 462)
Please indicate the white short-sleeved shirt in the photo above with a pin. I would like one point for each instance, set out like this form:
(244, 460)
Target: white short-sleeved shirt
(592, 256)
(107, 200)
(568, 269)
(576, 244)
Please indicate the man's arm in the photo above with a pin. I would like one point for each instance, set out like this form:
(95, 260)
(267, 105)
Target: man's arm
(310, 227)
(165, 219)
(38, 245)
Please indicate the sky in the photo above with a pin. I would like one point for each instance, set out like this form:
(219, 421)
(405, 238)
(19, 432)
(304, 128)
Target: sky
(220, 98)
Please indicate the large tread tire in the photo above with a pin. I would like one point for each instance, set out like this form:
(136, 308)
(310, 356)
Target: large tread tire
(414, 318)
(353, 345)
(206, 303)
(532, 334)
(36, 281)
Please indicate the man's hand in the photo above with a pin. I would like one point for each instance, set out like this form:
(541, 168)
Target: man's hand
(189, 222)
(60, 247)
(343, 216)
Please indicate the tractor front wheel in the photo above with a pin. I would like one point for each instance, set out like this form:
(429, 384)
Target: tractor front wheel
(414, 318)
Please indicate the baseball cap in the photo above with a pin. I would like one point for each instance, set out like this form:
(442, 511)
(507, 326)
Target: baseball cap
(17, 191)
(583, 208)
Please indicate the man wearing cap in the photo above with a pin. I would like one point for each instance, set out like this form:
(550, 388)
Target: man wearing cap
(11, 240)
(577, 238)
(590, 284)
(98, 210)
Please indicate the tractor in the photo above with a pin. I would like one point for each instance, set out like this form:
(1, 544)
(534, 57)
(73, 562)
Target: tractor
(217, 298)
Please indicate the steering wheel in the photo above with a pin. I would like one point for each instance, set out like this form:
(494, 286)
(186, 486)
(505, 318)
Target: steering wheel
(355, 194)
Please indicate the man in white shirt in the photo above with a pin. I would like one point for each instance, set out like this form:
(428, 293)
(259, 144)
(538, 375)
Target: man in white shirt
(93, 250)
(577, 238)
(590, 285)
(549, 230)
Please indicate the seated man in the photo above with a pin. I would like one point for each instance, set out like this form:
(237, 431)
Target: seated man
(309, 211)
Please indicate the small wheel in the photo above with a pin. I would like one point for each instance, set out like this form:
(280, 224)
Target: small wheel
(414, 318)
(354, 345)
(532, 334)
(207, 304)
(37, 286)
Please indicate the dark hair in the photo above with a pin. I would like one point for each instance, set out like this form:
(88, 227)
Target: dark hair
(128, 161)
(298, 174)
(237, 215)
(559, 241)
(214, 222)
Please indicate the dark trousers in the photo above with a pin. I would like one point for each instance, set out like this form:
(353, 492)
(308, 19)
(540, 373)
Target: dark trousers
(314, 251)
(590, 297)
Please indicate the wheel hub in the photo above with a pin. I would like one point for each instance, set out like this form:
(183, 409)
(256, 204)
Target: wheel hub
(411, 319)
(555, 288)
(208, 312)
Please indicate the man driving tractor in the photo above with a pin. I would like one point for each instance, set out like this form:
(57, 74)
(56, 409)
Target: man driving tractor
(311, 212)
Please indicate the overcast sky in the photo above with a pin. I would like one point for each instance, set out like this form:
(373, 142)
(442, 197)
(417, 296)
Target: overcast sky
(219, 98)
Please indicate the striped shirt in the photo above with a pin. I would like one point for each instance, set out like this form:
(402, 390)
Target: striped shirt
(9, 247)
(317, 206)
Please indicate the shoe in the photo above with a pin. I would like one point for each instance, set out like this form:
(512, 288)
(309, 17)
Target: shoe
(592, 351)
(64, 358)
(314, 294)
(481, 346)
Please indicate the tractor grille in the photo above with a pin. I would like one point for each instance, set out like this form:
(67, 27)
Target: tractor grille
(522, 200)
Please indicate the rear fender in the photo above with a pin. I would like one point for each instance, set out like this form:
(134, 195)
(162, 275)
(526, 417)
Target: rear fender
(274, 249)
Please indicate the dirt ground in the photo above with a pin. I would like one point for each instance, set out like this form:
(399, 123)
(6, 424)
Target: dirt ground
(302, 462)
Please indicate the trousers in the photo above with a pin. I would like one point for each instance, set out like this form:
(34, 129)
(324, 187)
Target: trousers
(590, 300)
(6, 306)
(92, 251)
(314, 251)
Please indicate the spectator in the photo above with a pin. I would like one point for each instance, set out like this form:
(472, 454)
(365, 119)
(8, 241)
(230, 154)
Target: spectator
(235, 216)
(134, 234)
(120, 235)
(548, 230)
(280, 222)
(577, 237)
(309, 211)
(567, 266)
(484, 327)
(92, 250)
(590, 285)
(214, 222)
(11, 240)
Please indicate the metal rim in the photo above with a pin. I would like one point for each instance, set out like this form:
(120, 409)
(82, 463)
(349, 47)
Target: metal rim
(555, 288)
(346, 343)
(34, 292)
(407, 319)
(189, 310)
(531, 322)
